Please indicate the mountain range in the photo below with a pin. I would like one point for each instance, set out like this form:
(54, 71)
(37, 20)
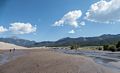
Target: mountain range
(81, 41)
(17, 41)
(105, 39)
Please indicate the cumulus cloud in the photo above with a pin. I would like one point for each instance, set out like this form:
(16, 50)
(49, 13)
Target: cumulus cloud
(106, 11)
(82, 23)
(2, 29)
(71, 18)
(72, 32)
(22, 28)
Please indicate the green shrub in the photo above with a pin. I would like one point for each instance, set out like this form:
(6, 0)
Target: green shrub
(118, 45)
(99, 48)
(74, 47)
(71, 47)
(118, 49)
(112, 48)
(109, 48)
(106, 47)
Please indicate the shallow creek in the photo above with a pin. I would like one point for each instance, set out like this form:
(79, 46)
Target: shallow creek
(100, 57)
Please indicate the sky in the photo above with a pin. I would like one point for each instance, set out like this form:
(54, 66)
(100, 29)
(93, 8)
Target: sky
(50, 20)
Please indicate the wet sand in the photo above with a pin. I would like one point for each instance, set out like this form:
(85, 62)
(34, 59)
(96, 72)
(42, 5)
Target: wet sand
(49, 61)
(105, 58)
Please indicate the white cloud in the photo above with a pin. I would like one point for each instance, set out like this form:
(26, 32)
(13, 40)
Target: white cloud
(22, 28)
(71, 18)
(2, 29)
(72, 32)
(82, 23)
(106, 11)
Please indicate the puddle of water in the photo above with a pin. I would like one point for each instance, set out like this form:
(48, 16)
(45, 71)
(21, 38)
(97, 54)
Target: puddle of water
(104, 59)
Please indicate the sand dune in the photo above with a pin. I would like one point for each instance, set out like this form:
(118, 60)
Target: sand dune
(6, 46)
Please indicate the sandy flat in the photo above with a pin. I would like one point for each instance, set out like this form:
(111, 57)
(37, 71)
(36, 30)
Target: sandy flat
(47, 61)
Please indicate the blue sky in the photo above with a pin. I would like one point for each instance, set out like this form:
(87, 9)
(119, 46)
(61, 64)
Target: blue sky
(40, 20)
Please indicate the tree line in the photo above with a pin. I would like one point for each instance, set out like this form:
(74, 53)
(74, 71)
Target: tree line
(112, 48)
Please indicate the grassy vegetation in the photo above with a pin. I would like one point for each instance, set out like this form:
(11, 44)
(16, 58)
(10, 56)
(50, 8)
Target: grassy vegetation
(86, 47)
(92, 47)
(112, 48)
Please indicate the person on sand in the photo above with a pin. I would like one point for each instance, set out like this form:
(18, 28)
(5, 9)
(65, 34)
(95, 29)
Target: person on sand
(10, 50)
(13, 49)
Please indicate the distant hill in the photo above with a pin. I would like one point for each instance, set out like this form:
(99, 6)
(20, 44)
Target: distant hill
(17, 41)
(83, 41)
